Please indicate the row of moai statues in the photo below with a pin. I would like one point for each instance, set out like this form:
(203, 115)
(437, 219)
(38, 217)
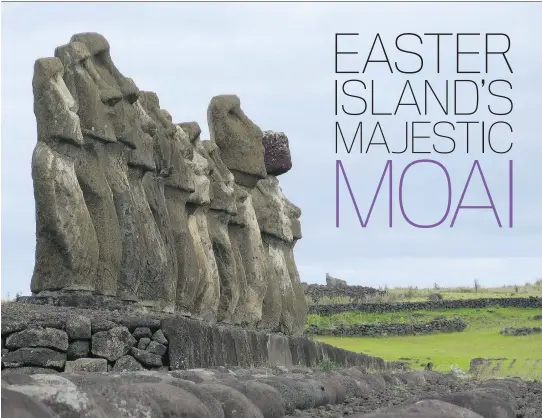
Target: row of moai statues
(133, 206)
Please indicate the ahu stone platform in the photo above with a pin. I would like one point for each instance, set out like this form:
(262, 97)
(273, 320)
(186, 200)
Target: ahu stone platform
(47, 338)
(133, 207)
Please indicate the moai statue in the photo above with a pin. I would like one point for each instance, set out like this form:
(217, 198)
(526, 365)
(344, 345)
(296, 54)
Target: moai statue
(284, 306)
(300, 306)
(208, 297)
(221, 210)
(93, 109)
(173, 153)
(146, 273)
(241, 149)
(66, 243)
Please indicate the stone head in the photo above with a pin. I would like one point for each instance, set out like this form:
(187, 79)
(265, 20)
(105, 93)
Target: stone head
(54, 106)
(94, 100)
(100, 50)
(278, 159)
(174, 149)
(239, 139)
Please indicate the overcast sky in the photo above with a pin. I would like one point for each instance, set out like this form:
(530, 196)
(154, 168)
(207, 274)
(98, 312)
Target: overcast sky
(279, 59)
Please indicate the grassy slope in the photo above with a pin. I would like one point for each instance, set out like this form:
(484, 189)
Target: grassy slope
(480, 339)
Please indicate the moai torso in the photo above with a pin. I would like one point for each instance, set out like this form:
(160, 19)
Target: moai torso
(208, 296)
(284, 304)
(240, 143)
(92, 167)
(172, 153)
(66, 243)
(221, 210)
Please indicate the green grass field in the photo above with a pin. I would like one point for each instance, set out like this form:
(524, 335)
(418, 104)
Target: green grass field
(513, 356)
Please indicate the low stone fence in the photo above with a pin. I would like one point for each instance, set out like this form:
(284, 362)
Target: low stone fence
(73, 340)
(530, 302)
(521, 331)
(383, 330)
(318, 291)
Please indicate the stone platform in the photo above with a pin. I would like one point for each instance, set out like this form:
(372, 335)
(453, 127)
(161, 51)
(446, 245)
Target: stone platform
(63, 338)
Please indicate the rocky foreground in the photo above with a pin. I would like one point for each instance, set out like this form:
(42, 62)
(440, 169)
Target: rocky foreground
(269, 393)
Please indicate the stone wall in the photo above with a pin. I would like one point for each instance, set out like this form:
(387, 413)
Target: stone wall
(358, 293)
(384, 330)
(530, 302)
(134, 207)
(69, 339)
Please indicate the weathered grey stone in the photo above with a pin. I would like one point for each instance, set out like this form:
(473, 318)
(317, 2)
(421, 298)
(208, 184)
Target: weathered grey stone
(222, 208)
(86, 365)
(174, 401)
(208, 292)
(78, 349)
(78, 327)
(141, 321)
(234, 403)
(28, 371)
(156, 348)
(175, 152)
(19, 405)
(266, 398)
(38, 337)
(41, 357)
(97, 129)
(146, 358)
(64, 398)
(142, 332)
(67, 258)
(284, 306)
(296, 394)
(159, 337)
(144, 253)
(334, 282)
(212, 404)
(127, 364)
(143, 343)
(239, 139)
(102, 325)
(425, 409)
(482, 402)
(249, 251)
(112, 344)
(278, 159)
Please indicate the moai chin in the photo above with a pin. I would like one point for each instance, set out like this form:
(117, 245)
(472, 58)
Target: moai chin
(66, 244)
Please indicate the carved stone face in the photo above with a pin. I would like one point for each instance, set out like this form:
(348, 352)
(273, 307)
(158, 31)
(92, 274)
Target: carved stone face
(294, 213)
(222, 180)
(172, 143)
(94, 102)
(100, 51)
(239, 139)
(54, 106)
